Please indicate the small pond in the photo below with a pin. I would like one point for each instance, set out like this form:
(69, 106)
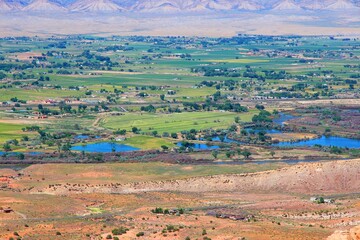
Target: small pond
(226, 140)
(283, 118)
(324, 141)
(200, 146)
(268, 131)
(104, 147)
(83, 137)
(16, 153)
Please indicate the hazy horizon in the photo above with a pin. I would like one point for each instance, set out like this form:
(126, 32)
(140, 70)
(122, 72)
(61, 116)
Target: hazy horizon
(173, 17)
(212, 25)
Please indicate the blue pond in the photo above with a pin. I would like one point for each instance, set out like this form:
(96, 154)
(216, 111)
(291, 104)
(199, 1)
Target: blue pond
(16, 153)
(226, 140)
(200, 146)
(262, 130)
(324, 141)
(283, 118)
(105, 147)
(82, 137)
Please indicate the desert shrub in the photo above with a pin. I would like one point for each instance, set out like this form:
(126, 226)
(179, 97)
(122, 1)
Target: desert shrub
(171, 228)
(119, 231)
(157, 210)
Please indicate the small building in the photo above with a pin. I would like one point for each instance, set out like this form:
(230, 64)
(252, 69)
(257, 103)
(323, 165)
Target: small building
(328, 200)
(324, 200)
(50, 101)
(173, 211)
(171, 92)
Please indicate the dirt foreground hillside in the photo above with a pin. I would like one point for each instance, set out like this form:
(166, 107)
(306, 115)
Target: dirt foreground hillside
(326, 178)
(68, 201)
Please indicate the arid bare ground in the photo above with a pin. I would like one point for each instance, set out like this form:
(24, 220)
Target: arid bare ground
(307, 23)
(326, 178)
(88, 201)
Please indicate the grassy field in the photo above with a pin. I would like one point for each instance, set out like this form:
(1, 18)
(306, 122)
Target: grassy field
(11, 131)
(147, 142)
(239, 60)
(175, 122)
(39, 94)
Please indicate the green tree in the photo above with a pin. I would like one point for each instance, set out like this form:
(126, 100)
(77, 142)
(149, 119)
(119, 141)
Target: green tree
(25, 138)
(215, 154)
(2, 75)
(246, 153)
(135, 130)
(21, 156)
(59, 145)
(66, 147)
(16, 142)
(7, 147)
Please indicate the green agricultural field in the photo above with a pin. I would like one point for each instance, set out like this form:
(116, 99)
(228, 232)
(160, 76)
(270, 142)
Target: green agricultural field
(38, 94)
(147, 142)
(11, 131)
(74, 124)
(240, 60)
(175, 122)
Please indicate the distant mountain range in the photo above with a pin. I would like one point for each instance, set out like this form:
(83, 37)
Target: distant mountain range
(169, 6)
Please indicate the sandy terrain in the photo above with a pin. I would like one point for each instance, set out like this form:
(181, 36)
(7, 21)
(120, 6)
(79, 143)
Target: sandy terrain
(276, 204)
(330, 177)
(331, 101)
(27, 56)
(285, 137)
